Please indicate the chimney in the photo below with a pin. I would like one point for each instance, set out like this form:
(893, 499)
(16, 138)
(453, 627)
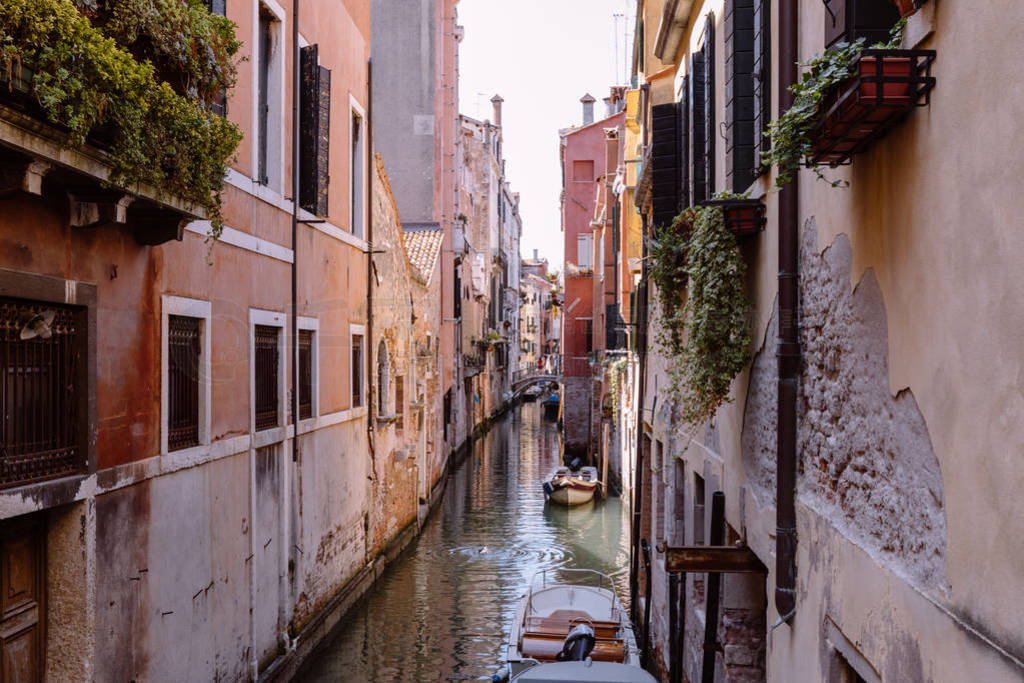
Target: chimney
(535, 255)
(496, 101)
(588, 109)
(609, 106)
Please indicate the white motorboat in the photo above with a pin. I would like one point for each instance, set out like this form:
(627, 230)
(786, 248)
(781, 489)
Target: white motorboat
(575, 623)
(571, 487)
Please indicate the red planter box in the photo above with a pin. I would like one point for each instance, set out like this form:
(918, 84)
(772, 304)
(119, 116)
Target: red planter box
(887, 84)
(743, 217)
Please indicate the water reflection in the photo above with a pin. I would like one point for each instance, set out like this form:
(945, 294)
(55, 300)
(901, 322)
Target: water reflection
(441, 611)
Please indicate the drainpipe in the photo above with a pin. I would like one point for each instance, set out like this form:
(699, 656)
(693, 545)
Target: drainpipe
(369, 254)
(296, 75)
(788, 350)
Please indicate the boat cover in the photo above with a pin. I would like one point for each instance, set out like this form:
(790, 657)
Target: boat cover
(596, 672)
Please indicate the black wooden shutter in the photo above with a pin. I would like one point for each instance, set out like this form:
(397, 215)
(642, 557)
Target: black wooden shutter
(217, 6)
(710, 129)
(739, 94)
(684, 145)
(762, 80)
(849, 20)
(315, 122)
(698, 171)
(665, 176)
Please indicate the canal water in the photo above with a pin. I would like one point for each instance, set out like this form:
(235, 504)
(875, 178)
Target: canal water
(441, 611)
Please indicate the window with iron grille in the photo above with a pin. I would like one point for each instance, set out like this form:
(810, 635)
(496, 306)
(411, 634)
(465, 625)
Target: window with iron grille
(183, 350)
(305, 374)
(400, 402)
(42, 351)
(266, 376)
(357, 370)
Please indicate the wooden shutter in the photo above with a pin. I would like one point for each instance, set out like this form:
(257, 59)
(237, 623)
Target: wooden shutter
(710, 129)
(762, 80)
(739, 94)
(664, 163)
(314, 143)
(684, 145)
(217, 6)
(698, 171)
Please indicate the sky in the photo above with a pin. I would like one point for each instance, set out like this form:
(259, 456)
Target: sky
(541, 56)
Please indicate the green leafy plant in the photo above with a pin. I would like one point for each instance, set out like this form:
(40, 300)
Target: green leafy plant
(704, 331)
(616, 369)
(142, 72)
(791, 133)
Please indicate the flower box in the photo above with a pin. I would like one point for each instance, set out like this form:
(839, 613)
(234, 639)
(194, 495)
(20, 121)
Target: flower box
(887, 84)
(743, 217)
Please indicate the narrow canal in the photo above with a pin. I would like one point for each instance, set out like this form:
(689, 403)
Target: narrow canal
(442, 610)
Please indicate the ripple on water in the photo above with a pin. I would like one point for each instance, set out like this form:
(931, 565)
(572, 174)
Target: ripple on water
(441, 611)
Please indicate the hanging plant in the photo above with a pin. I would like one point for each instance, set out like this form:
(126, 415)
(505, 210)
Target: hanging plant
(705, 333)
(163, 132)
(791, 133)
(616, 369)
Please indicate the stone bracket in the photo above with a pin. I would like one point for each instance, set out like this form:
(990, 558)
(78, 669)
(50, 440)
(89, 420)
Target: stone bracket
(23, 176)
(90, 211)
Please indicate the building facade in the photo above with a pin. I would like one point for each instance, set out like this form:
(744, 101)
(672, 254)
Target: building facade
(846, 501)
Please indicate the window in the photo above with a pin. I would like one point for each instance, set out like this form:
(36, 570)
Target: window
(42, 386)
(447, 412)
(356, 370)
(383, 379)
(185, 373)
(305, 374)
(590, 335)
(665, 163)
(183, 357)
(583, 169)
(315, 124)
(220, 102)
(762, 80)
(584, 249)
(739, 95)
(267, 388)
(710, 128)
(269, 102)
(358, 167)
(400, 401)
(698, 175)
(457, 294)
(698, 509)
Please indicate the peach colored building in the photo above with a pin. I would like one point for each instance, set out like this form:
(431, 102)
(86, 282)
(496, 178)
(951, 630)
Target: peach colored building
(199, 518)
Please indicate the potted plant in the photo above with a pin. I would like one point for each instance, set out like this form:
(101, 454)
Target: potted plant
(743, 216)
(846, 98)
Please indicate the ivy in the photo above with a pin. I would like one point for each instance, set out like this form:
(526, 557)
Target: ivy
(704, 328)
(791, 133)
(93, 81)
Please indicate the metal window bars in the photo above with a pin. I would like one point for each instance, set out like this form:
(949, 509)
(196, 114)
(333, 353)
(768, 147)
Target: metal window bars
(305, 374)
(183, 351)
(40, 391)
(266, 377)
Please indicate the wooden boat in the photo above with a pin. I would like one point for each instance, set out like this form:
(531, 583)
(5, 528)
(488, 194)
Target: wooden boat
(551, 405)
(579, 622)
(568, 487)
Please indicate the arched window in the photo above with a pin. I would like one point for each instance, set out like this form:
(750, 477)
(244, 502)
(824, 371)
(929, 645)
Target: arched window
(383, 377)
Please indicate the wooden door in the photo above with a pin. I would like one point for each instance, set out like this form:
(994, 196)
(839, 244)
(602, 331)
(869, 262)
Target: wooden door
(22, 599)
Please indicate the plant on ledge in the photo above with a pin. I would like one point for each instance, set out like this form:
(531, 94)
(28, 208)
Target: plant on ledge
(144, 73)
(791, 132)
(704, 334)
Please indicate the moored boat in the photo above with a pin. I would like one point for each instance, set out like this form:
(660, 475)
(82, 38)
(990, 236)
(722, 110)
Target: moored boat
(572, 631)
(565, 486)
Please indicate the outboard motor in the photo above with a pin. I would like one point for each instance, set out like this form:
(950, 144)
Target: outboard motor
(575, 465)
(578, 644)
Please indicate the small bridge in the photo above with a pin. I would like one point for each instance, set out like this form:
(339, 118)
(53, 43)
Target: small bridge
(526, 379)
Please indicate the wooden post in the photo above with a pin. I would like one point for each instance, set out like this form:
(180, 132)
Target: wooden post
(714, 584)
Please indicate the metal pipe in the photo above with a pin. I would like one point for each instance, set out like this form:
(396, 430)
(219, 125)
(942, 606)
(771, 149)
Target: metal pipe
(296, 75)
(713, 590)
(788, 350)
(368, 351)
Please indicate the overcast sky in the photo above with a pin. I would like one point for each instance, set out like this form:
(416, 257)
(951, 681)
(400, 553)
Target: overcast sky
(541, 56)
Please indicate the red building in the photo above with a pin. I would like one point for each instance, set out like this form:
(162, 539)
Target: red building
(583, 156)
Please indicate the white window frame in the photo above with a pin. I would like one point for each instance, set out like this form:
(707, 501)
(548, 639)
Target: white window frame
(357, 330)
(584, 251)
(278, 76)
(356, 109)
(258, 316)
(313, 325)
(193, 308)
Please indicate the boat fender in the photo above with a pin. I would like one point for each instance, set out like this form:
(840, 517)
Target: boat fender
(500, 677)
(548, 488)
(578, 644)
